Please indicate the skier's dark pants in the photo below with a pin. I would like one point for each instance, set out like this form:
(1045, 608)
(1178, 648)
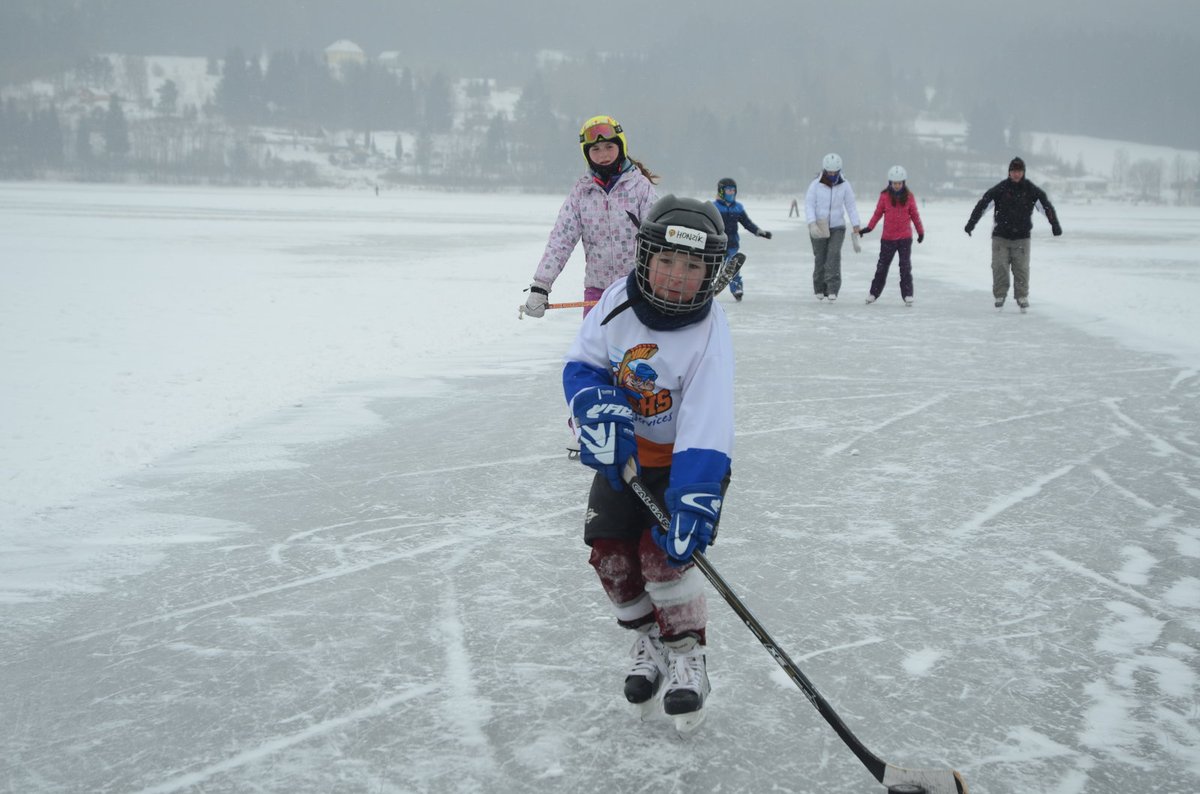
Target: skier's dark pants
(887, 249)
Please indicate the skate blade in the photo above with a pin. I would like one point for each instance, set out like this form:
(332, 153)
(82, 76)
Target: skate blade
(686, 723)
(648, 710)
(572, 454)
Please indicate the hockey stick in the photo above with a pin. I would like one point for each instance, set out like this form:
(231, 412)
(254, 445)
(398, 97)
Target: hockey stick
(570, 305)
(898, 779)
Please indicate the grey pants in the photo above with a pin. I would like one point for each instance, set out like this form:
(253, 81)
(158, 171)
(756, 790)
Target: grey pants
(827, 262)
(1010, 254)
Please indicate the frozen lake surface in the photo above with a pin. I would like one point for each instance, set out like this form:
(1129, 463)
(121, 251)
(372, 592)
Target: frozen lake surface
(285, 508)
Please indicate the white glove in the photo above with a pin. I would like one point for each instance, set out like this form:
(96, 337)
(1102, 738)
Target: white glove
(818, 230)
(539, 296)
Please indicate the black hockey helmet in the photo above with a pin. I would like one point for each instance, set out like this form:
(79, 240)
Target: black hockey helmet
(689, 226)
(724, 183)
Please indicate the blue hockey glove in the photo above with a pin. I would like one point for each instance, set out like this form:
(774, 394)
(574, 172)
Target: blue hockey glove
(694, 510)
(606, 436)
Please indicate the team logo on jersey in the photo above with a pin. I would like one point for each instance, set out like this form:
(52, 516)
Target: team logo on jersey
(640, 381)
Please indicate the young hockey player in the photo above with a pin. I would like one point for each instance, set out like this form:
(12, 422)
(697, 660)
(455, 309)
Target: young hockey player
(1014, 200)
(898, 208)
(649, 378)
(603, 209)
(733, 213)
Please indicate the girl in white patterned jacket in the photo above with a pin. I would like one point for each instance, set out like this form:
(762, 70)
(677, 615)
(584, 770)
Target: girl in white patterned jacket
(603, 209)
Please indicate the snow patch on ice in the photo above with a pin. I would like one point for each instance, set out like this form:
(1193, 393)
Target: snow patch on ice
(1111, 726)
(1138, 565)
(922, 662)
(1184, 593)
(1133, 630)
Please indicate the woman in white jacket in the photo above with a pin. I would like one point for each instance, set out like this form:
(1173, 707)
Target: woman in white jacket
(829, 199)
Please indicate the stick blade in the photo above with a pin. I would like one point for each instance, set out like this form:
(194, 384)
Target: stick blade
(934, 781)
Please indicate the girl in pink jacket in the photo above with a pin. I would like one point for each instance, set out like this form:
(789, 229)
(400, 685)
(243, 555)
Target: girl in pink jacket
(604, 209)
(898, 208)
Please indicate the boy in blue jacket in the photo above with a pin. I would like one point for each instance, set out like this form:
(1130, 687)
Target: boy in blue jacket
(733, 213)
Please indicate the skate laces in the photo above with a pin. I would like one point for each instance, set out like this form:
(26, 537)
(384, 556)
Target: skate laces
(687, 669)
(647, 653)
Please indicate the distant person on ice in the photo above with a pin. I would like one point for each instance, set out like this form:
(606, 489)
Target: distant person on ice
(733, 213)
(898, 208)
(649, 378)
(603, 209)
(826, 204)
(1014, 200)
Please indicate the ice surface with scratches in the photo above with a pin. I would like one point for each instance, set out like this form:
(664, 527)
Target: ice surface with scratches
(285, 507)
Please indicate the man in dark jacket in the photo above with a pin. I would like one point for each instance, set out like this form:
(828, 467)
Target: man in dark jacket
(1014, 200)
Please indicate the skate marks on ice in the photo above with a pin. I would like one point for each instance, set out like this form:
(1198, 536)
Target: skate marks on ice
(413, 610)
(1025, 547)
(275, 746)
(839, 448)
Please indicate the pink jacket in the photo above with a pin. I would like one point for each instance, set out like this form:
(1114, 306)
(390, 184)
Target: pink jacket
(896, 217)
(602, 221)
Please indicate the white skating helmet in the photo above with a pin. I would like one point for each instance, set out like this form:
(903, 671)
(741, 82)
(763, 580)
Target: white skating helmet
(897, 174)
(832, 163)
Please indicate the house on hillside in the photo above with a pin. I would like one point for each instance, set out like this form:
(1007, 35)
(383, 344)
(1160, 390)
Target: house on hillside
(91, 98)
(390, 60)
(342, 53)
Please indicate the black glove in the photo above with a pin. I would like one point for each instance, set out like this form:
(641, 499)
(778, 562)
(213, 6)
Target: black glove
(921, 237)
(968, 228)
(1056, 230)
(864, 231)
(766, 235)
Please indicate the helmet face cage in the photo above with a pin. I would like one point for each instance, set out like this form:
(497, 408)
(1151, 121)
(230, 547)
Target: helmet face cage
(688, 226)
(712, 257)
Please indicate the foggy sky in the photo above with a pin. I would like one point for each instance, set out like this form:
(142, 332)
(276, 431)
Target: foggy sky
(1128, 67)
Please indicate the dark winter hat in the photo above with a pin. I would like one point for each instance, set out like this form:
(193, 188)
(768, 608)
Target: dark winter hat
(1017, 164)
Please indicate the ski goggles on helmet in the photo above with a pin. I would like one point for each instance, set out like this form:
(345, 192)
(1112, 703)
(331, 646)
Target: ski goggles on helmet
(602, 131)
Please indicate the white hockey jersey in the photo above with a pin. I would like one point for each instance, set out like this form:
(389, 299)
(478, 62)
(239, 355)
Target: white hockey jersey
(679, 382)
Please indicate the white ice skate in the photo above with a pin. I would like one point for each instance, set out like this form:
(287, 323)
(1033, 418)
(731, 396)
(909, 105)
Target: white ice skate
(908, 301)
(687, 683)
(648, 671)
(870, 298)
